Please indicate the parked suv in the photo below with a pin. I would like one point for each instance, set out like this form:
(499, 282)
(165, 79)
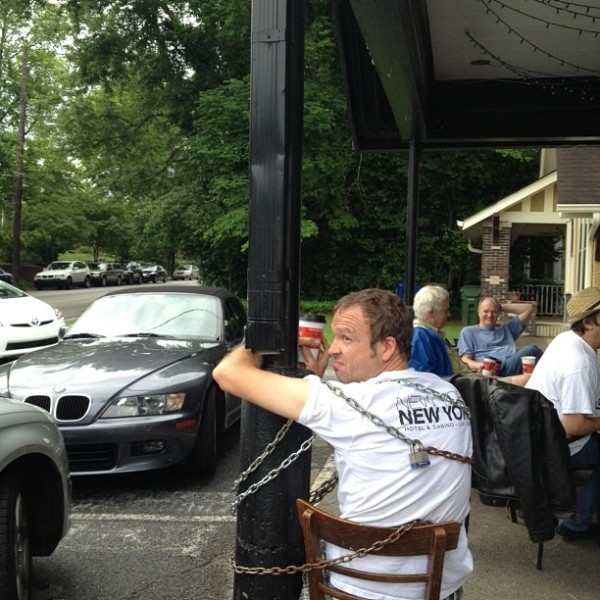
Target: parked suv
(106, 273)
(63, 274)
(35, 492)
(186, 272)
(154, 273)
(133, 272)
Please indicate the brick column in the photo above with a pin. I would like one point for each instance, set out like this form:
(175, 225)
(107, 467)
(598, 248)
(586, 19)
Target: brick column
(495, 260)
(495, 265)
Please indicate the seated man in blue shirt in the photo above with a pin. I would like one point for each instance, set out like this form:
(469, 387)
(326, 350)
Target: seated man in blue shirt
(499, 341)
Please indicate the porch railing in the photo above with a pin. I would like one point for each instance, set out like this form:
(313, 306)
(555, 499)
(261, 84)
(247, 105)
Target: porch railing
(549, 297)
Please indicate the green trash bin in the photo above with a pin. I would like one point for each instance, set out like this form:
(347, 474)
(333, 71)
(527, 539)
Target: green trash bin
(469, 299)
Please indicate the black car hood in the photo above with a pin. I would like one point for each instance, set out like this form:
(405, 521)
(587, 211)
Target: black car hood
(112, 364)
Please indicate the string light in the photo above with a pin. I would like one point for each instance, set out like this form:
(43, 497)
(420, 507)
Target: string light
(534, 78)
(565, 7)
(532, 45)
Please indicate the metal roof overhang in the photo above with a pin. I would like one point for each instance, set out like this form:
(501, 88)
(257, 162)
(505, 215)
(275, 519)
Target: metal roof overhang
(470, 73)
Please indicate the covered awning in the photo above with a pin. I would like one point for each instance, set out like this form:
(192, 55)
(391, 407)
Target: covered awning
(470, 73)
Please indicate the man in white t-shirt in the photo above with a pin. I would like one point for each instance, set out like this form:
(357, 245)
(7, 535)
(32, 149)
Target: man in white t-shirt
(378, 485)
(568, 374)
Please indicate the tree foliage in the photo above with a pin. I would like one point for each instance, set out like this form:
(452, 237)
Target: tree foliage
(138, 148)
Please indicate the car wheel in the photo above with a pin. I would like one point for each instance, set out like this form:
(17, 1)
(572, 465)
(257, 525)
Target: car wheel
(119, 280)
(87, 283)
(203, 458)
(68, 283)
(15, 554)
(103, 281)
(38, 286)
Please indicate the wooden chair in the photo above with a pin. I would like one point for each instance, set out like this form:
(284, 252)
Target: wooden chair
(431, 540)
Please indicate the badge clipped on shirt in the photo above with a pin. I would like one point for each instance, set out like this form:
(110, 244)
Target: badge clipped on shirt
(418, 457)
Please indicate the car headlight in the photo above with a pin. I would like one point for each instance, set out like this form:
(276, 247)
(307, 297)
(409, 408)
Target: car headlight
(144, 406)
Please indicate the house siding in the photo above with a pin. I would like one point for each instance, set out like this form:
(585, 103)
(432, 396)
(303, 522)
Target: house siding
(578, 170)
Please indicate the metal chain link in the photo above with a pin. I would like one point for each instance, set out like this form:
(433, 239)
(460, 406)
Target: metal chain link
(263, 455)
(413, 443)
(272, 474)
(320, 492)
(397, 533)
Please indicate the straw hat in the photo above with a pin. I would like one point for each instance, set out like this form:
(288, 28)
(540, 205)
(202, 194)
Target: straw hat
(583, 304)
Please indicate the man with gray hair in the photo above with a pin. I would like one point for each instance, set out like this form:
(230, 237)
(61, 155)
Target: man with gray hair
(429, 346)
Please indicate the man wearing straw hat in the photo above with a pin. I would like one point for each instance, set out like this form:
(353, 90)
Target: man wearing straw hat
(568, 374)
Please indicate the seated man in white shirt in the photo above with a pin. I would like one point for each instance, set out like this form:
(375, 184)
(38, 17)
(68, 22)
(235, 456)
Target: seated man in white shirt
(379, 483)
(568, 374)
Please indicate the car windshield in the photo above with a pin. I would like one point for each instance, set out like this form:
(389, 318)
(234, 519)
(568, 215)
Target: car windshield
(97, 266)
(58, 266)
(9, 291)
(184, 268)
(163, 314)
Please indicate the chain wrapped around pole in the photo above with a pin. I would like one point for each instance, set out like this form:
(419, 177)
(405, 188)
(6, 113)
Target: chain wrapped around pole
(397, 533)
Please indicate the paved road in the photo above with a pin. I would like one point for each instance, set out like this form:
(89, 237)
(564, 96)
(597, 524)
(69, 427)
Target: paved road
(74, 301)
(154, 536)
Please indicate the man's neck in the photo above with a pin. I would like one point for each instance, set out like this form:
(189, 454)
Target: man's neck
(395, 364)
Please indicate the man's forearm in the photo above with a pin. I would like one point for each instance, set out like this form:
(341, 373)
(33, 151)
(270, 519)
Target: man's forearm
(523, 310)
(472, 364)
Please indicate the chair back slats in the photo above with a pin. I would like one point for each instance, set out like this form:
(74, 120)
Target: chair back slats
(422, 540)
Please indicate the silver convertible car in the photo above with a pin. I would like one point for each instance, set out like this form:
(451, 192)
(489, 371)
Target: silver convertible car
(130, 383)
(35, 493)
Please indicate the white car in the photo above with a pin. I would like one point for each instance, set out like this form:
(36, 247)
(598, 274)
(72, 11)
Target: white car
(186, 272)
(26, 323)
(63, 274)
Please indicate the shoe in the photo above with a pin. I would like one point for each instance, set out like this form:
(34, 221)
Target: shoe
(571, 535)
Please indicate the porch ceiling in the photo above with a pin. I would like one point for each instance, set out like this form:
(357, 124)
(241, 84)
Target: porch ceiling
(470, 73)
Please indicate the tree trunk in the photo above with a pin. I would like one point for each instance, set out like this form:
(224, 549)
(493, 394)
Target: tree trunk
(19, 176)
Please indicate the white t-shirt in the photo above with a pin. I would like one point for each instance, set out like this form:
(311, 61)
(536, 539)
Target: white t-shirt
(568, 374)
(377, 485)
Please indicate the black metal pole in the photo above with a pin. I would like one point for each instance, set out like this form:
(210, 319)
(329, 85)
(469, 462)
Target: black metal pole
(412, 213)
(267, 529)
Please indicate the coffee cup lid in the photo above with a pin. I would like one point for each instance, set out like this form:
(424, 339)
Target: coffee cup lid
(312, 317)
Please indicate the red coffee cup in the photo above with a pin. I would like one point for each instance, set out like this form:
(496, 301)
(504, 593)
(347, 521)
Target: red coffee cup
(490, 366)
(528, 363)
(311, 326)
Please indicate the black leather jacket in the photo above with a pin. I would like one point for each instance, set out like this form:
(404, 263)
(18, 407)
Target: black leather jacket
(520, 451)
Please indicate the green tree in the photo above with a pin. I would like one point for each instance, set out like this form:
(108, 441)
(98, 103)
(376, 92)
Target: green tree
(46, 173)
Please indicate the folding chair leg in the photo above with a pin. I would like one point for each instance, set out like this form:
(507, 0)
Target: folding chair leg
(598, 497)
(540, 554)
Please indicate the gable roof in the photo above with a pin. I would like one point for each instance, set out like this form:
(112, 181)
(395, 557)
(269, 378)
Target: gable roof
(534, 205)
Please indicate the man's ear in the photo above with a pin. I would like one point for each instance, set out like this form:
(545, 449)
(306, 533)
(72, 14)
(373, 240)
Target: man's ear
(388, 348)
(588, 323)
